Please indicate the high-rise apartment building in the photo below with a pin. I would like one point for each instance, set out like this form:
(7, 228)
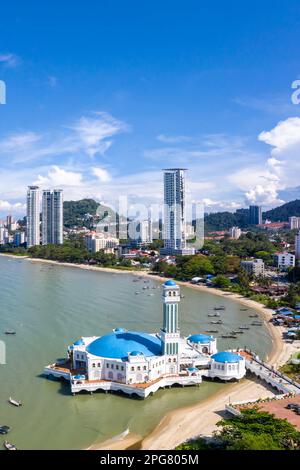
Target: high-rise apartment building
(255, 215)
(294, 222)
(174, 229)
(33, 216)
(52, 217)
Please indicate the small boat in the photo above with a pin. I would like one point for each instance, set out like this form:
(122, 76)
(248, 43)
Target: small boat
(229, 335)
(254, 316)
(4, 429)
(9, 446)
(237, 332)
(212, 331)
(257, 323)
(14, 402)
(220, 308)
(213, 315)
(137, 292)
(244, 327)
(217, 322)
(243, 309)
(10, 332)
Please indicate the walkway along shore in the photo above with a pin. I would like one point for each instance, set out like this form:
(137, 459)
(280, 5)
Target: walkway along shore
(185, 423)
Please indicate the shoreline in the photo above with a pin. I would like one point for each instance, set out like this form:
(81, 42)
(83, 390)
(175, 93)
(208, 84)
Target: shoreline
(185, 423)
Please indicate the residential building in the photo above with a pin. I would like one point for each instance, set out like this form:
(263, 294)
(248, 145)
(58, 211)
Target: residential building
(95, 242)
(4, 237)
(174, 229)
(294, 222)
(284, 260)
(235, 233)
(33, 216)
(255, 215)
(52, 217)
(254, 267)
(297, 246)
(19, 238)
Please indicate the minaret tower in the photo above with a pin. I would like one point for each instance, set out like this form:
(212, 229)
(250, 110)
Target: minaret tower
(170, 334)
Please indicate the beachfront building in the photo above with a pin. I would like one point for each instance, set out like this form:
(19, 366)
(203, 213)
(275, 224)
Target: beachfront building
(95, 242)
(254, 267)
(33, 216)
(174, 227)
(52, 217)
(139, 363)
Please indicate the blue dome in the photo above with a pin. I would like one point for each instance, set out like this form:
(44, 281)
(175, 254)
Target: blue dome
(136, 353)
(79, 342)
(200, 338)
(170, 283)
(225, 356)
(119, 345)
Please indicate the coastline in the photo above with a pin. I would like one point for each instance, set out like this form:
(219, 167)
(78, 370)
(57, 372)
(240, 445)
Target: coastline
(185, 423)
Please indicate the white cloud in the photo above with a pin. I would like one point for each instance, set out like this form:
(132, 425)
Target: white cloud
(58, 177)
(12, 207)
(285, 134)
(93, 132)
(176, 139)
(9, 59)
(102, 174)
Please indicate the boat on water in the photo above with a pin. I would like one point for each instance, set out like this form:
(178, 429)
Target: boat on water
(4, 429)
(9, 446)
(213, 315)
(254, 316)
(10, 332)
(257, 323)
(220, 308)
(212, 331)
(243, 309)
(216, 322)
(237, 332)
(229, 335)
(244, 327)
(137, 292)
(15, 402)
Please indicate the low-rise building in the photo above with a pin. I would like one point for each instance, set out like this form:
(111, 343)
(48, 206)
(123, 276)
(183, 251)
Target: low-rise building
(235, 233)
(284, 260)
(95, 242)
(254, 267)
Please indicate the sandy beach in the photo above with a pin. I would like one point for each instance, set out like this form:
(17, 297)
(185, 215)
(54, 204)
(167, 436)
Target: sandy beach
(199, 419)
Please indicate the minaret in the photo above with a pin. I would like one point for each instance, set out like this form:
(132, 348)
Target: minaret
(170, 335)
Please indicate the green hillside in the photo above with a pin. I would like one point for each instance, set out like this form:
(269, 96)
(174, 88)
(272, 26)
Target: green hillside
(282, 213)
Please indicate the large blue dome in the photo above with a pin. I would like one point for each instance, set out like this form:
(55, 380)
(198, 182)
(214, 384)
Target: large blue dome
(170, 283)
(200, 339)
(118, 345)
(226, 357)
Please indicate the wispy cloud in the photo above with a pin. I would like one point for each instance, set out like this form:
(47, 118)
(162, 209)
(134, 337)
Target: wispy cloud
(9, 60)
(175, 139)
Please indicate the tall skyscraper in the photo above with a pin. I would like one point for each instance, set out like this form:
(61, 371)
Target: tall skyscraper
(255, 215)
(33, 216)
(174, 229)
(52, 217)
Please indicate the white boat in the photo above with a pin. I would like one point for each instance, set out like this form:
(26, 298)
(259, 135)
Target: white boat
(9, 446)
(14, 402)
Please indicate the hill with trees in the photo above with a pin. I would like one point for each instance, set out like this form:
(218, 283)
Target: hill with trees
(282, 213)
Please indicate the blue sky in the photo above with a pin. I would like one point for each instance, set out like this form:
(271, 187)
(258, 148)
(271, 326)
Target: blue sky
(103, 94)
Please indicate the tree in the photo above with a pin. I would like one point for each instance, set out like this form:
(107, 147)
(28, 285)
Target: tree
(222, 281)
(244, 279)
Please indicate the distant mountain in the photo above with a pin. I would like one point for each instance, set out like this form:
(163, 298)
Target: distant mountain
(282, 213)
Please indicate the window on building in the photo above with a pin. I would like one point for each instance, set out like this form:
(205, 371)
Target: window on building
(132, 369)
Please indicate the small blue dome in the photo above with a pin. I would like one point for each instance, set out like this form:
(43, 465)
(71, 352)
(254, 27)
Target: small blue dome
(118, 346)
(78, 377)
(136, 353)
(170, 283)
(225, 356)
(200, 339)
(193, 369)
(79, 342)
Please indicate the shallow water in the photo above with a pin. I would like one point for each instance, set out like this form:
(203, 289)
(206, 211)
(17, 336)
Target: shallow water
(50, 307)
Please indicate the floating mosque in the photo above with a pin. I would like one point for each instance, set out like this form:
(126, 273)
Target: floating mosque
(138, 363)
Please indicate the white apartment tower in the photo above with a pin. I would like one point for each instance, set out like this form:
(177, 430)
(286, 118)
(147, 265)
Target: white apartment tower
(52, 217)
(175, 212)
(297, 246)
(33, 216)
